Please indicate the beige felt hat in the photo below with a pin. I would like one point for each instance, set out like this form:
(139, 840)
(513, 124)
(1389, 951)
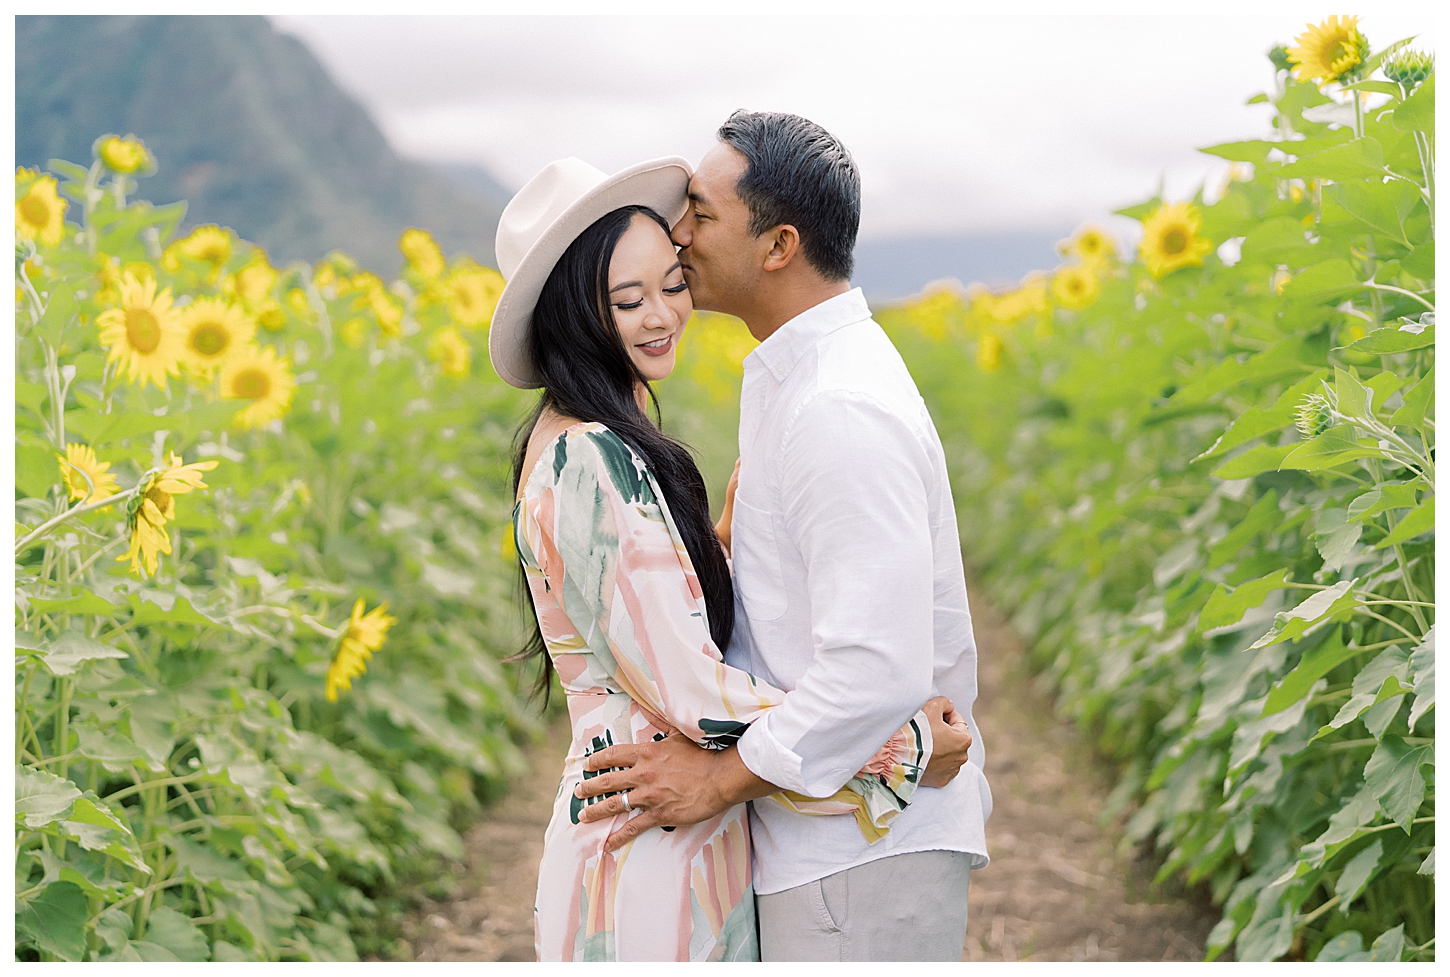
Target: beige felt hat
(540, 223)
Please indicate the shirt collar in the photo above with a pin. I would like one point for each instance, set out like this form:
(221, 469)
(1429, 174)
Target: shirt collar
(783, 349)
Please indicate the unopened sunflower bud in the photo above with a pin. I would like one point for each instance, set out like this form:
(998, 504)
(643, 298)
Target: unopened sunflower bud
(1409, 68)
(1313, 416)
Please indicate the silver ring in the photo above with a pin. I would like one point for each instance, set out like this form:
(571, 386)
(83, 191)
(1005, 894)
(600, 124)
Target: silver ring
(625, 795)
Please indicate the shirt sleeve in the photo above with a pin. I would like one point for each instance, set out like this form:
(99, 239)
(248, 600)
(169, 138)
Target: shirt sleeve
(854, 483)
(627, 583)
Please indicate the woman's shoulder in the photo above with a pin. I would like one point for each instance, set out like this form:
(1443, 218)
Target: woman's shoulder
(591, 452)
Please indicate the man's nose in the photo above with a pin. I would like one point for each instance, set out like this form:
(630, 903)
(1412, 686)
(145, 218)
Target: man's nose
(680, 234)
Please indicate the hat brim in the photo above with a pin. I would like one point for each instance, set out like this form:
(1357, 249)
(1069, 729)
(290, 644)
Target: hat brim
(659, 184)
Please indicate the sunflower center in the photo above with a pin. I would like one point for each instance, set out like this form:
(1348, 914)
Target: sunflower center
(143, 332)
(210, 338)
(162, 500)
(36, 211)
(1175, 241)
(252, 384)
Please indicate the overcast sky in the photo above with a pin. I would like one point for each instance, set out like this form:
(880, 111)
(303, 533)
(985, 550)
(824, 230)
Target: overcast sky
(959, 124)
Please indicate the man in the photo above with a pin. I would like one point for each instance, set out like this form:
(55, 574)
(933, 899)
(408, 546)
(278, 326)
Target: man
(850, 592)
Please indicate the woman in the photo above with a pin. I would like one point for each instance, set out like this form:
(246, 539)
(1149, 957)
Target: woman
(628, 579)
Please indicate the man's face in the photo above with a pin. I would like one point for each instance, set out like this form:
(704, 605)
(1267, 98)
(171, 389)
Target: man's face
(721, 258)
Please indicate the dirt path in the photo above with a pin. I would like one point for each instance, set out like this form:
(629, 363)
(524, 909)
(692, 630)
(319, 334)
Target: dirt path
(1057, 888)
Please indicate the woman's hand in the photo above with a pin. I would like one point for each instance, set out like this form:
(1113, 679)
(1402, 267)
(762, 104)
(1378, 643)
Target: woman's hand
(722, 528)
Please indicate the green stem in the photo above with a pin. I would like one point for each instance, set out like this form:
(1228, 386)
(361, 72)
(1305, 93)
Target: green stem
(75, 511)
(125, 792)
(1403, 291)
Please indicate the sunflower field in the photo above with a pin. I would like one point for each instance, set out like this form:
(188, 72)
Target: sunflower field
(239, 489)
(1201, 479)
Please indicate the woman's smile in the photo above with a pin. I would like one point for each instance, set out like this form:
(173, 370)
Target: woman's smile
(658, 347)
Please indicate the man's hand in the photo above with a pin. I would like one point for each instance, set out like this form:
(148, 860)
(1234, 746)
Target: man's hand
(950, 739)
(672, 782)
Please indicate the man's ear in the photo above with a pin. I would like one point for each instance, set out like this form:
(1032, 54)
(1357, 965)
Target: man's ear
(785, 242)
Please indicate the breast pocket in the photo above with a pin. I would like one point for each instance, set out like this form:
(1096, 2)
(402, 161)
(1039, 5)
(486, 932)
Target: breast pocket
(756, 559)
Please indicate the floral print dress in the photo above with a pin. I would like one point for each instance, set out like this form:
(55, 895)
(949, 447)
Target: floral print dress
(623, 618)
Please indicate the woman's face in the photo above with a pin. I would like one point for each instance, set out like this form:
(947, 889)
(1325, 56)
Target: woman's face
(650, 300)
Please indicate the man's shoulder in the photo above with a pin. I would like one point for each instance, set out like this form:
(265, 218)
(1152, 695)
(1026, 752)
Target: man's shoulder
(858, 364)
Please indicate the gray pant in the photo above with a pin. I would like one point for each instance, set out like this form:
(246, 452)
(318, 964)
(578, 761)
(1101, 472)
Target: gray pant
(901, 907)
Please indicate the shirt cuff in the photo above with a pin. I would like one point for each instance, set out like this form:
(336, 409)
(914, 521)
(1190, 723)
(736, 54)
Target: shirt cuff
(764, 756)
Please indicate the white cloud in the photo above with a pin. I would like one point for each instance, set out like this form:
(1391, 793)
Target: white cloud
(960, 124)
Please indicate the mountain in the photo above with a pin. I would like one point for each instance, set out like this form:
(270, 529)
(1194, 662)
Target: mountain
(895, 268)
(247, 127)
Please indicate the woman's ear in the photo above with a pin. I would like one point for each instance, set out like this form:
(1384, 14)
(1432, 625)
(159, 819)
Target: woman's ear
(785, 241)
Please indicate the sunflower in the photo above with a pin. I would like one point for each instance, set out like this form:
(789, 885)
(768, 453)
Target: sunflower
(270, 316)
(1091, 245)
(423, 254)
(989, 352)
(472, 292)
(1075, 287)
(124, 155)
(364, 634)
(149, 510)
(452, 352)
(207, 243)
(253, 283)
(215, 330)
(86, 478)
(1171, 241)
(40, 214)
(260, 376)
(301, 305)
(1330, 51)
(144, 335)
(354, 332)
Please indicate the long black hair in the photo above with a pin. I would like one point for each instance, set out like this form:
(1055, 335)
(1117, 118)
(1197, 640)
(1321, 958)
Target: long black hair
(587, 374)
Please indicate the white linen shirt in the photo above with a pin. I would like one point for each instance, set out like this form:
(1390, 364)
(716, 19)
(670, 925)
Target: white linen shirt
(849, 590)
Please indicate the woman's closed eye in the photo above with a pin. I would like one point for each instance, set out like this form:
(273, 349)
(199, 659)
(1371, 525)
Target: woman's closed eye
(676, 289)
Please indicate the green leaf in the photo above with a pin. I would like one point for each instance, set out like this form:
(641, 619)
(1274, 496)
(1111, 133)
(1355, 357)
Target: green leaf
(1358, 159)
(151, 606)
(1347, 947)
(1422, 676)
(1389, 495)
(102, 429)
(1382, 207)
(56, 920)
(113, 752)
(70, 649)
(1254, 151)
(92, 824)
(1417, 401)
(1336, 446)
(1393, 777)
(1354, 398)
(42, 797)
(1258, 421)
(1335, 537)
(1357, 873)
(203, 863)
(1421, 262)
(1420, 520)
(1277, 240)
(114, 928)
(1324, 282)
(85, 603)
(1417, 113)
(1383, 342)
(87, 871)
(1427, 867)
(1264, 514)
(1324, 605)
(1389, 946)
(152, 727)
(1257, 460)
(1316, 663)
(61, 311)
(1378, 682)
(171, 930)
(36, 470)
(1267, 939)
(1225, 607)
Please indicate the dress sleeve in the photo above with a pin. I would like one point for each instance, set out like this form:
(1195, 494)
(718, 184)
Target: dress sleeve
(622, 575)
